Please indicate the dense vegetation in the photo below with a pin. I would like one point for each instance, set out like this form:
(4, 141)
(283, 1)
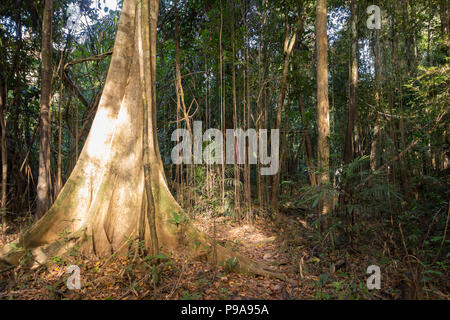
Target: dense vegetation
(373, 190)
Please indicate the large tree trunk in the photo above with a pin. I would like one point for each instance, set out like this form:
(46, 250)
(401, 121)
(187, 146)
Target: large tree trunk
(105, 202)
(323, 112)
(43, 193)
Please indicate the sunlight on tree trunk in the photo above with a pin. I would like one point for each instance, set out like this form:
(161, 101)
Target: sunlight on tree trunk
(323, 113)
(105, 202)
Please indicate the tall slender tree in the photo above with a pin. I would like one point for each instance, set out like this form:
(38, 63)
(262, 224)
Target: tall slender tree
(289, 42)
(376, 128)
(237, 187)
(43, 186)
(353, 85)
(323, 113)
(4, 156)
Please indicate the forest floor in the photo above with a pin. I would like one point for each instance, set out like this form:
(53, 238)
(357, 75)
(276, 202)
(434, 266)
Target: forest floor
(287, 244)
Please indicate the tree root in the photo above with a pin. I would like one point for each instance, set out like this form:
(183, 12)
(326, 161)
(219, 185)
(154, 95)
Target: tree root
(198, 245)
(219, 255)
(14, 253)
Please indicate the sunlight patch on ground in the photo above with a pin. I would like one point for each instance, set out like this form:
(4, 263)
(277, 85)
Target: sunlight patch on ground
(247, 232)
(248, 235)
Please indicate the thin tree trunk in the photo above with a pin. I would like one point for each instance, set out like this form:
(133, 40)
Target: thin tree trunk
(305, 137)
(43, 200)
(4, 151)
(308, 144)
(248, 189)
(259, 112)
(246, 117)
(208, 168)
(288, 46)
(222, 106)
(237, 179)
(180, 99)
(376, 131)
(58, 184)
(266, 197)
(399, 80)
(77, 135)
(323, 115)
(298, 154)
(352, 108)
(445, 22)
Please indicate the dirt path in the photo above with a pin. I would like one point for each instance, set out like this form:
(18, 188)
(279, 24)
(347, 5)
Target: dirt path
(285, 245)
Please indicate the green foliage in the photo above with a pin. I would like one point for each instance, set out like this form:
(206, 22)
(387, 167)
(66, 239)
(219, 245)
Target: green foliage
(15, 247)
(191, 296)
(230, 264)
(403, 214)
(177, 219)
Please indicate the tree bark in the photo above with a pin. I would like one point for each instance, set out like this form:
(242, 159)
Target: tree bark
(445, 22)
(353, 84)
(237, 187)
(246, 114)
(146, 83)
(58, 182)
(4, 152)
(376, 130)
(399, 95)
(323, 113)
(43, 186)
(222, 106)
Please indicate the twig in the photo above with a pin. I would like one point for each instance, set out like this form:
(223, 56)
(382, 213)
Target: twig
(132, 287)
(15, 292)
(118, 250)
(177, 283)
(93, 58)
